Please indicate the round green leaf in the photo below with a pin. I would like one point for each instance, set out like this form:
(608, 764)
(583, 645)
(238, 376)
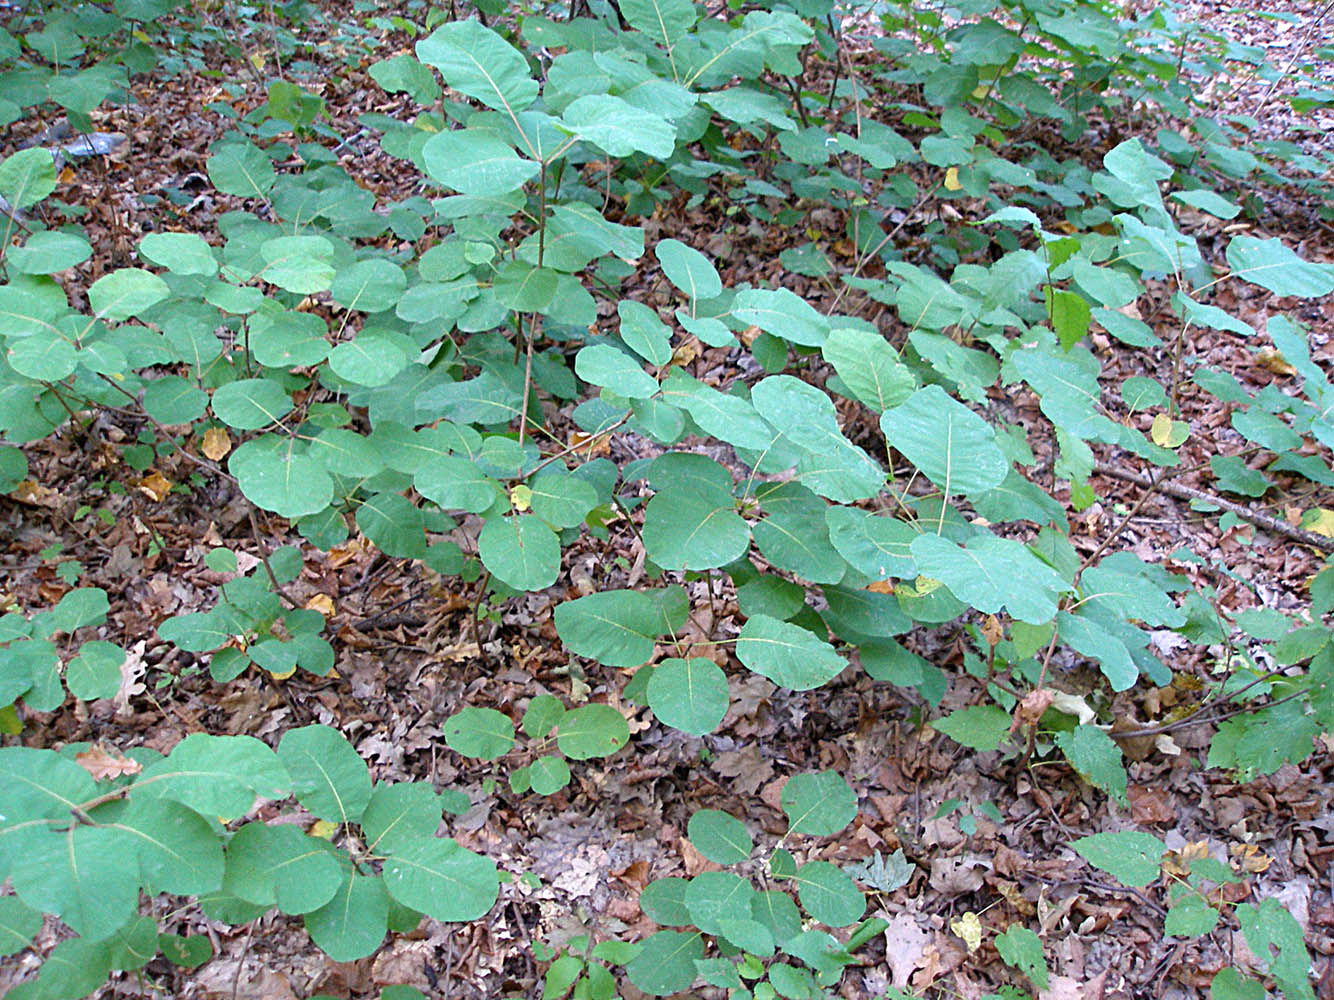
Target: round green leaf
(520, 551)
(476, 163)
(951, 445)
(978, 727)
(787, 654)
(44, 355)
(174, 400)
(369, 285)
(828, 895)
(19, 924)
(562, 500)
(666, 964)
(818, 804)
(719, 837)
(544, 711)
(612, 368)
(95, 672)
(369, 360)
(275, 478)
(81, 877)
(524, 288)
(664, 901)
(456, 483)
(48, 252)
(619, 628)
(240, 168)
(394, 525)
(125, 293)
(179, 253)
(688, 529)
(592, 731)
(27, 177)
(548, 775)
(280, 865)
(397, 813)
(288, 339)
(749, 935)
(13, 468)
(714, 896)
(352, 924)
(251, 403)
(476, 61)
(134, 945)
(300, 264)
(689, 695)
(688, 269)
(328, 777)
(481, 733)
(441, 879)
(187, 951)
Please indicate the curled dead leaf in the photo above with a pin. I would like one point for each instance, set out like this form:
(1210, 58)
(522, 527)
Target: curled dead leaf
(1272, 361)
(155, 486)
(992, 631)
(1030, 709)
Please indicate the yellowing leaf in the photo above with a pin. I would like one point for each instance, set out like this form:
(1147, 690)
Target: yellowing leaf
(1168, 433)
(323, 828)
(155, 486)
(257, 60)
(215, 444)
(952, 179)
(1320, 520)
(322, 603)
(521, 497)
(968, 928)
(1271, 360)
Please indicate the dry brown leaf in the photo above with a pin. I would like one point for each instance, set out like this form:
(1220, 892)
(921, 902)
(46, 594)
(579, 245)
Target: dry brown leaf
(215, 444)
(905, 948)
(1030, 709)
(1272, 361)
(155, 486)
(1252, 859)
(34, 493)
(1150, 805)
(104, 766)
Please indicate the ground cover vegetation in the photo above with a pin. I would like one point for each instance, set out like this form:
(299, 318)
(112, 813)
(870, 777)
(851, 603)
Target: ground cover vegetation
(880, 460)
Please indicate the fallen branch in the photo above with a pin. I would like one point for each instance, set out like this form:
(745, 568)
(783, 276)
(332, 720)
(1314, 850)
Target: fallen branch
(1258, 518)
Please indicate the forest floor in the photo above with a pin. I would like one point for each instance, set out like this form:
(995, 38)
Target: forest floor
(407, 659)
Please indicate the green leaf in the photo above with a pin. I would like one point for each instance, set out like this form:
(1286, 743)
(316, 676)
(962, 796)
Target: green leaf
(520, 551)
(274, 477)
(561, 499)
(187, 951)
(548, 774)
(27, 177)
(1270, 928)
(441, 879)
(1021, 948)
(951, 445)
(476, 61)
(48, 252)
(1228, 985)
(878, 546)
(456, 483)
(480, 733)
(1190, 916)
(251, 403)
(980, 727)
(125, 293)
(178, 851)
(618, 127)
(820, 805)
(593, 730)
(1129, 856)
(721, 838)
(869, 367)
(81, 877)
(19, 924)
(394, 525)
(398, 813)
(749, 935)
(328, 776)
(689, 694)
(686, 529)
(1070, 315)
(352, 924)
(240, 168)
(216, 775)
(75, 968)
(644, 333)
(524, 288)
(664, 902)
(990, 573)
(281, 866)
(788, 655)
(476, 163)
(95, 672)
(714, 896)
(782, 313)
(180, 253)
(406, 74)
(666, 964)
(1097, 757)
(604, 365)
(370, 286)
(544, 711)
(688, 269)
(618, 628)
(1270, 264)
(664, 21)
(828, 895)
